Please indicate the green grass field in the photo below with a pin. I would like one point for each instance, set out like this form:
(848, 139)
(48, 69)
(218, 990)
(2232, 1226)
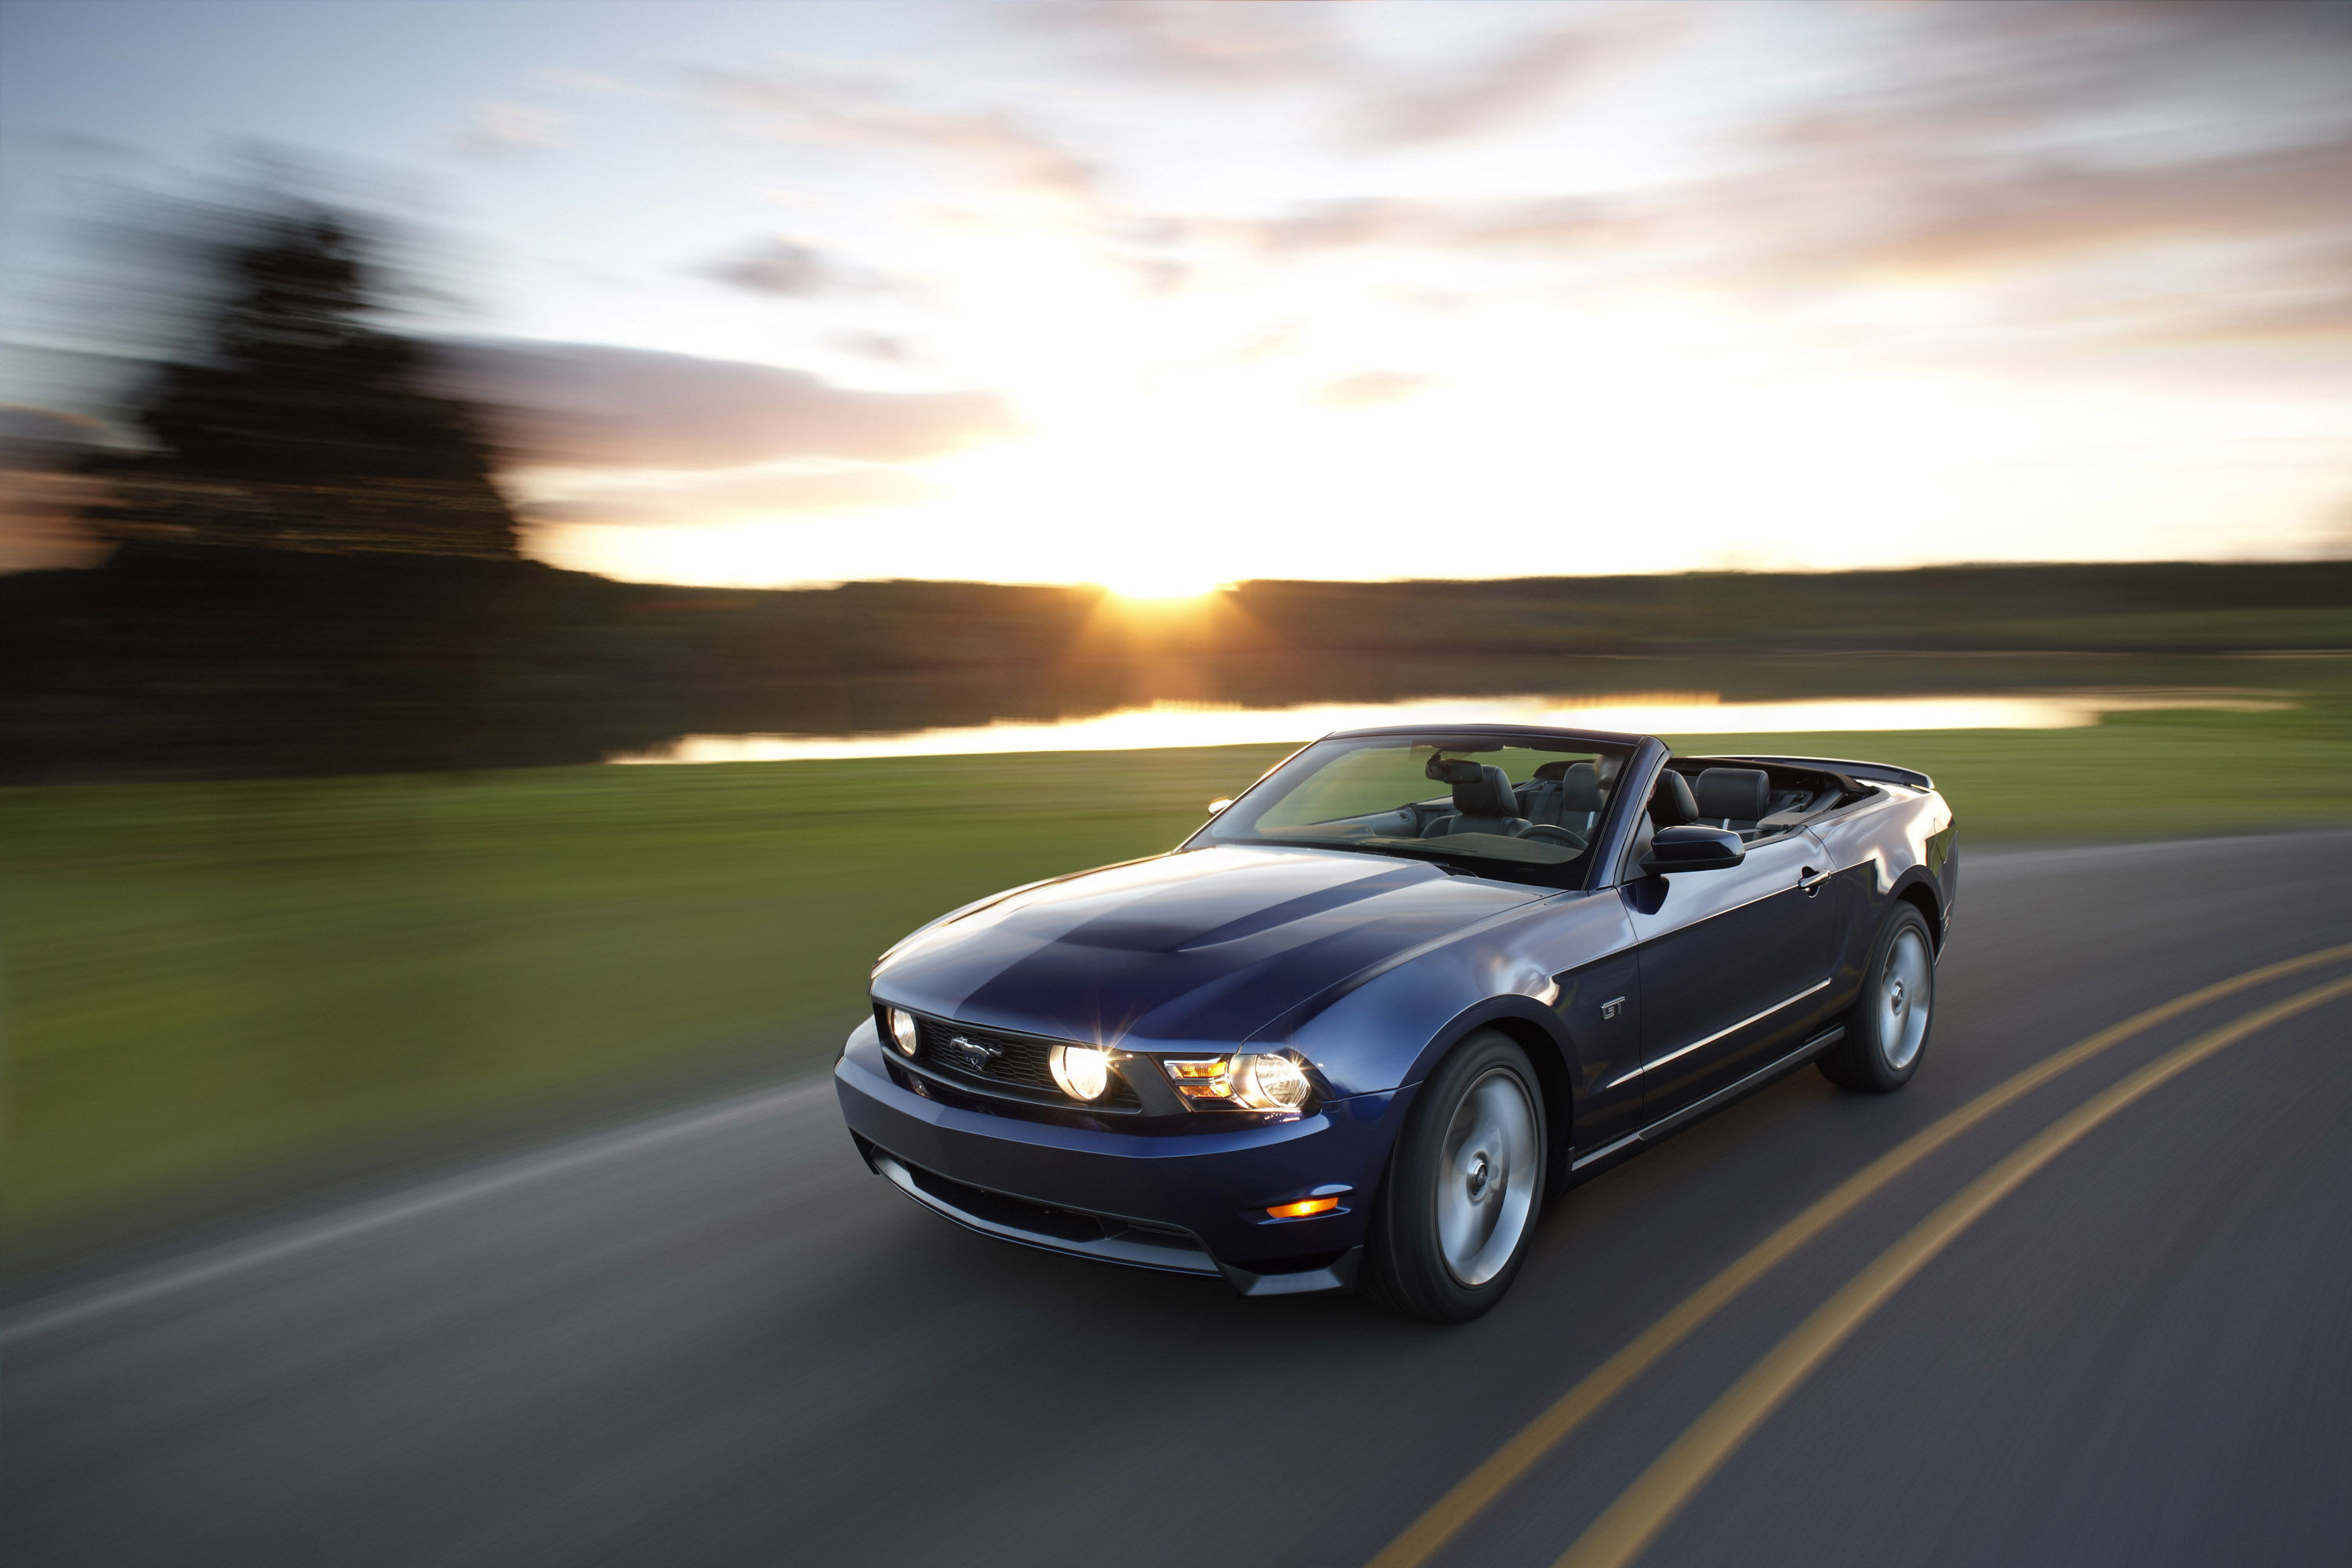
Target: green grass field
(204, 981)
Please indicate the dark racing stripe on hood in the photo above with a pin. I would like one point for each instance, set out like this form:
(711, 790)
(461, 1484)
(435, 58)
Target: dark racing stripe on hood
(1203, 946)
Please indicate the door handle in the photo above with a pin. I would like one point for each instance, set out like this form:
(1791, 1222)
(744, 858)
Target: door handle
(1811, 880)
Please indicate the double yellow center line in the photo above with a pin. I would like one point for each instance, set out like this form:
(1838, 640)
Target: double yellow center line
(1633, 1521)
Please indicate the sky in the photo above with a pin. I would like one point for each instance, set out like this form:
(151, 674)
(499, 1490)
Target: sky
(1161, 296)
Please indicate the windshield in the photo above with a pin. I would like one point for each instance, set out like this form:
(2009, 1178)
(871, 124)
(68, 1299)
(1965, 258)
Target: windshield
(1522, 809)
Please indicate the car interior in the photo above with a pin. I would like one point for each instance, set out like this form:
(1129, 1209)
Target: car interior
(1374, 796)
(1755, 800)
(1752, 799)
(1739, 795)
(1546, 817)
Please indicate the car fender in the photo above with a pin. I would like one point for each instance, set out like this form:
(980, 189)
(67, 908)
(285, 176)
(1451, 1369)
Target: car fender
(1387, 1029)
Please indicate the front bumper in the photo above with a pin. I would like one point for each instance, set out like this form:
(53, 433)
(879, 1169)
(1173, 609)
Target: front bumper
(1186, 1202)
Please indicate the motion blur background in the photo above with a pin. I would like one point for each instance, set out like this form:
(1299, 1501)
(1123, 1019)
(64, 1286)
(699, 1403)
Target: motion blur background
(945, 446)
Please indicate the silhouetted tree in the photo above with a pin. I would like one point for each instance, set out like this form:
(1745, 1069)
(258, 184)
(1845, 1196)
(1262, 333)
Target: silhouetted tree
(314, 570)
(302, 424)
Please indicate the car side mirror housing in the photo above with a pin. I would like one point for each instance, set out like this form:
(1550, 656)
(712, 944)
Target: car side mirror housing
(1693, 849)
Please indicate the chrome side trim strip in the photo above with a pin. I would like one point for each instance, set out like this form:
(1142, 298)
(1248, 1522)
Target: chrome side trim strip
(1811, 1049)
(1603, 1151)
(1803, 1054)
(1694, 1045)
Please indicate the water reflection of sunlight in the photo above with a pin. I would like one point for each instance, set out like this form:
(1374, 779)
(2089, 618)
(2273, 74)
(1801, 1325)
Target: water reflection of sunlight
(1169, 725)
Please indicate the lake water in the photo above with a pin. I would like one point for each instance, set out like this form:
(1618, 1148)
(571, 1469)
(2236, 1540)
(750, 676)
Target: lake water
(1166, 725)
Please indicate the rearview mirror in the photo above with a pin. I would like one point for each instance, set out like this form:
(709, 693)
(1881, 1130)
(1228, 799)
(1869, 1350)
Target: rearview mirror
(1693, 849)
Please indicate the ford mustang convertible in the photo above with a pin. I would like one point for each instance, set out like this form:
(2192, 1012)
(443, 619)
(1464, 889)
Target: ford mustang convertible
(1410, 985)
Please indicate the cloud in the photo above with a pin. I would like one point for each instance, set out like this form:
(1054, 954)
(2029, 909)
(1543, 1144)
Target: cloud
(1371, 389)
(1270, 343)
(801, 102)
(1987, 212)
(2117, 69)
(1543, 224)
(788, 269)
(1187, 44)
(1830, 219)
(777, 267)
(1384, 100)
(32, 438)
(887, 347)
(500, 128)
(596, 405)
(735, 495)
(2095, 173)
(1521, 76)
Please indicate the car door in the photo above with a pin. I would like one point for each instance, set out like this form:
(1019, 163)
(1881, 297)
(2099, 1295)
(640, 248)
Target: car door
(1735, 967)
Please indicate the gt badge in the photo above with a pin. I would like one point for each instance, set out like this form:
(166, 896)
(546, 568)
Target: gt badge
(1609, 1009)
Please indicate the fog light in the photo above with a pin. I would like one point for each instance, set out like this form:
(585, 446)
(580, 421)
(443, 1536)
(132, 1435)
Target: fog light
(902, 1031)
(1302, 1207)
(1268, 1082)
(1083, 1071)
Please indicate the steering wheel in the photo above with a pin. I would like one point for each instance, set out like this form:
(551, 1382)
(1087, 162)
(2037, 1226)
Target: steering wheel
(1552, 833)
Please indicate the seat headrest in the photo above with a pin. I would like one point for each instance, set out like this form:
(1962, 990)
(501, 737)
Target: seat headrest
(1580, 784)
(1672, 803)
(1478, 790)
(1488, 794)
(1739, 795)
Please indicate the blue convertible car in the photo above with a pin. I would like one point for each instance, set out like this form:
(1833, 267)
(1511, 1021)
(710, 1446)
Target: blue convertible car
(1410, 986)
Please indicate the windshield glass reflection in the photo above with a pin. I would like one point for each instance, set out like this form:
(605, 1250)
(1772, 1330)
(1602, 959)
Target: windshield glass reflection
(1523, 808)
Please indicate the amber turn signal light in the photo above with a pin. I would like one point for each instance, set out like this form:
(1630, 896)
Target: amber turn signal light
(1302, 1207)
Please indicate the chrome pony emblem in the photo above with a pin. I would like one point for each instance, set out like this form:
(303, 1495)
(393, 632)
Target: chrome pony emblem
(975, 1056)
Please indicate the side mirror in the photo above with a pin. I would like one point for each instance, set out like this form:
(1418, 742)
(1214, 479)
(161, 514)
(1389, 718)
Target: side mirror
(1693, 849)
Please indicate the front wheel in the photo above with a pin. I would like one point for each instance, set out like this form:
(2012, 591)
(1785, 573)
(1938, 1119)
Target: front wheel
(1459, 1202)
(1886, 1033)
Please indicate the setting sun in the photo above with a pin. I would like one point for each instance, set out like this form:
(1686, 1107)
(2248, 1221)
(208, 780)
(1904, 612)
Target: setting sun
(1176, 580)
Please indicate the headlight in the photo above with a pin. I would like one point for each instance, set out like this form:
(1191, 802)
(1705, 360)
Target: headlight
(1266, 1081)
(902, 1031)
(1254, 1080)
(1083, 1071)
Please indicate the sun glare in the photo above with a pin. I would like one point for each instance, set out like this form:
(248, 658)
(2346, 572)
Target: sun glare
(1173, 580)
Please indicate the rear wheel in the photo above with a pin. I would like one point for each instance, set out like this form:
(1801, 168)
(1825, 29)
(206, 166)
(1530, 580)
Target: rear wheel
(1459, 1202)
(1886, 1033)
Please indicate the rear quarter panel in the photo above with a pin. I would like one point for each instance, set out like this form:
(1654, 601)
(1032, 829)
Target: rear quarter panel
(1901, 844)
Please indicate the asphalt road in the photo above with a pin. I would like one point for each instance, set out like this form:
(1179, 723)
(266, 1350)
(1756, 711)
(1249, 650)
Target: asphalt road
(716, 1338)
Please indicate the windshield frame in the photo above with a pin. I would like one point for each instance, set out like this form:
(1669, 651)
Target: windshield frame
(1594, 868)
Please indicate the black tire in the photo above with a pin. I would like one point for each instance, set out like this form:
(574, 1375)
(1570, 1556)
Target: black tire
(1426, 1257)
(1886, 1033)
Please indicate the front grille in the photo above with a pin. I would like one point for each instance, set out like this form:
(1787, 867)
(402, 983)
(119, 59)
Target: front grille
(1017, 1059)
(1017, 1064)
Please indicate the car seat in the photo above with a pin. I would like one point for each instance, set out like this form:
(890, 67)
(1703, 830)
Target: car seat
(1734, 798)
(1483, 800)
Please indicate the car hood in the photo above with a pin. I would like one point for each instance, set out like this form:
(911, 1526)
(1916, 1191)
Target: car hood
(1202, 946)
